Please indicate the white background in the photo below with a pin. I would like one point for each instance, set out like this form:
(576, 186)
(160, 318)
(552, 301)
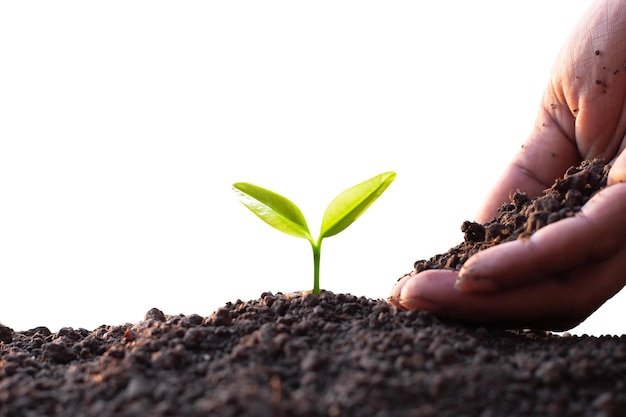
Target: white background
(123, 125)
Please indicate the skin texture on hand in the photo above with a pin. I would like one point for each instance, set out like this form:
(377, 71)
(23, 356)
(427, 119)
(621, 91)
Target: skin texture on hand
(565, 271)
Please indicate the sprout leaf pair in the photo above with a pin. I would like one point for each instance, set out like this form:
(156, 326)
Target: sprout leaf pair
(280, 213)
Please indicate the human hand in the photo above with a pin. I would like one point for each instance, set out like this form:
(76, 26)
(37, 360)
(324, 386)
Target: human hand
(565, 271)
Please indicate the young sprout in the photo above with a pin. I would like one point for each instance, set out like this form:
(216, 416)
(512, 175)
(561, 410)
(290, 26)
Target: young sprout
(282, 214)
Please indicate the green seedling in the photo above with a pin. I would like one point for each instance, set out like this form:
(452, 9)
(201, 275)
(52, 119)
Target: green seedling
(282, 214)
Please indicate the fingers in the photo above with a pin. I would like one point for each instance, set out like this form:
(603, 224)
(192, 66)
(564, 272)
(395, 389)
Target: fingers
(556, 303)
(595, 233)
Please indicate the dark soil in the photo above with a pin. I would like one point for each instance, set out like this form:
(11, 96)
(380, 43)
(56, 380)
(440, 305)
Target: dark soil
(328, 355)
(522, 216)
(332, 355)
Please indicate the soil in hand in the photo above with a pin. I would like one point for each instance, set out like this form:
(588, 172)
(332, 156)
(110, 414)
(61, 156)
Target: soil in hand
(522, 216)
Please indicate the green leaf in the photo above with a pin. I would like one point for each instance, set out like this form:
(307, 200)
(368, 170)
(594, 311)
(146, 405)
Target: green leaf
(276, 210)
(350, 204)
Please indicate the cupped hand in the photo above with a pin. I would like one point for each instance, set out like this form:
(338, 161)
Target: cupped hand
(565, 271)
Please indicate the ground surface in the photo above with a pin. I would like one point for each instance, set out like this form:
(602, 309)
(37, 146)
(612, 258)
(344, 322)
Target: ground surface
(332, 355)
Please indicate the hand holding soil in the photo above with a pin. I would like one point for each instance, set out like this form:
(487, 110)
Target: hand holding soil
(555, 278)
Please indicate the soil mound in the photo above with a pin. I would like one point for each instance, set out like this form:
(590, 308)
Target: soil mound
(332, 355)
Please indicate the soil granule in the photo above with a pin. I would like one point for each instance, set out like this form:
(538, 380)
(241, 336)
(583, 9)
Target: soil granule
(327, 355)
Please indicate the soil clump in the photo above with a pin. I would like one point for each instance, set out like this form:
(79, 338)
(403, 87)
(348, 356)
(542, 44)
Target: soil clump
(523, 216)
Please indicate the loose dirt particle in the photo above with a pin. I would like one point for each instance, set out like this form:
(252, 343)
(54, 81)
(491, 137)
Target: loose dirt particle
(6, 334)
